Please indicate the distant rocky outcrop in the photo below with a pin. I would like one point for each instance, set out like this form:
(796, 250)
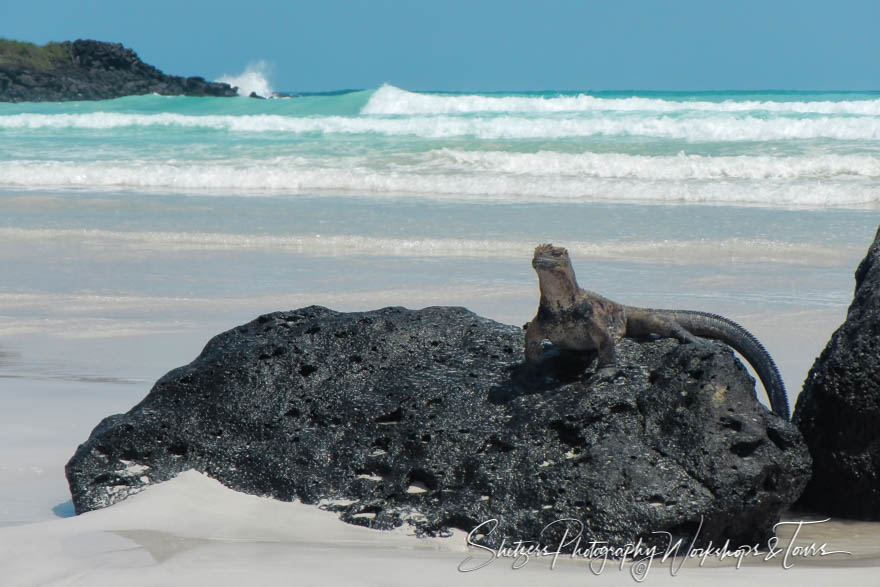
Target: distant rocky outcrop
(88, 70)
(838, 410)
(430, 418)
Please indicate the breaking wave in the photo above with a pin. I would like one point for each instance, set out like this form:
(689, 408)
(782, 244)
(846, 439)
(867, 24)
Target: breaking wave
(391, 100)
(502, 127)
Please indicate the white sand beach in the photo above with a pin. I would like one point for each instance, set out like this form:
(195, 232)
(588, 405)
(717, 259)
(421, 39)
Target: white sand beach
(191, 531)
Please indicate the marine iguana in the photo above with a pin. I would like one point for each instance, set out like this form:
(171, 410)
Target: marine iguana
(575, 319)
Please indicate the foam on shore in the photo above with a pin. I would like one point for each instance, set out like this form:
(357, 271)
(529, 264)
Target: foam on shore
(676, 252)
(849, 184)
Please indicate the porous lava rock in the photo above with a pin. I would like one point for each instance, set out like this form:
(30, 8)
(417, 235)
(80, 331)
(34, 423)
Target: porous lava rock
(838, 410)
(429, 418)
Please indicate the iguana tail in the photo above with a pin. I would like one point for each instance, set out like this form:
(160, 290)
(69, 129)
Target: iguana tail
(729, 332)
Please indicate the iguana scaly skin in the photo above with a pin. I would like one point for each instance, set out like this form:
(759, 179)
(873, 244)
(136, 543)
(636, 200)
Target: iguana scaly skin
(575, 319)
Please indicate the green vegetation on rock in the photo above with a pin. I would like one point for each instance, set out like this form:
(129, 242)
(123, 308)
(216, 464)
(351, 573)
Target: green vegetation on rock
(30, 56)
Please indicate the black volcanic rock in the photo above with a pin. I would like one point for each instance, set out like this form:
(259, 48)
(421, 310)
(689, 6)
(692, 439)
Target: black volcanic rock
(429, 418)
(838, 410)
(94, 70)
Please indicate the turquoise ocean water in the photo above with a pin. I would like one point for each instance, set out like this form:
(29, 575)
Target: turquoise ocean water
(776, 148)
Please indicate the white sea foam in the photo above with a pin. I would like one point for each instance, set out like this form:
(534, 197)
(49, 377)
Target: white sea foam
(255, 78)
(714, 129)
(290, 171)
(539, 177)
(391, 100)
(681, 167)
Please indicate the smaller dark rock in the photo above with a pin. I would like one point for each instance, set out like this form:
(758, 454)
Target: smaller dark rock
(838, 410)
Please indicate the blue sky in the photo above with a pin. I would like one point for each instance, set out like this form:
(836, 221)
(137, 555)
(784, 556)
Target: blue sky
(485, 45)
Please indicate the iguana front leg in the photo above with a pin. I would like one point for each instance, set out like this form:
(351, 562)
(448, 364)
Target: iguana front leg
(606, 326)
(607, 348)
(534, 343)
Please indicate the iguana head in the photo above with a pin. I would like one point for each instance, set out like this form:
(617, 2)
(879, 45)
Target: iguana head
(555, 273)
(550, 258)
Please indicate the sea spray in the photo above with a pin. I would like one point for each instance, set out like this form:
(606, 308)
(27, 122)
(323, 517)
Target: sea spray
(253, 80)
